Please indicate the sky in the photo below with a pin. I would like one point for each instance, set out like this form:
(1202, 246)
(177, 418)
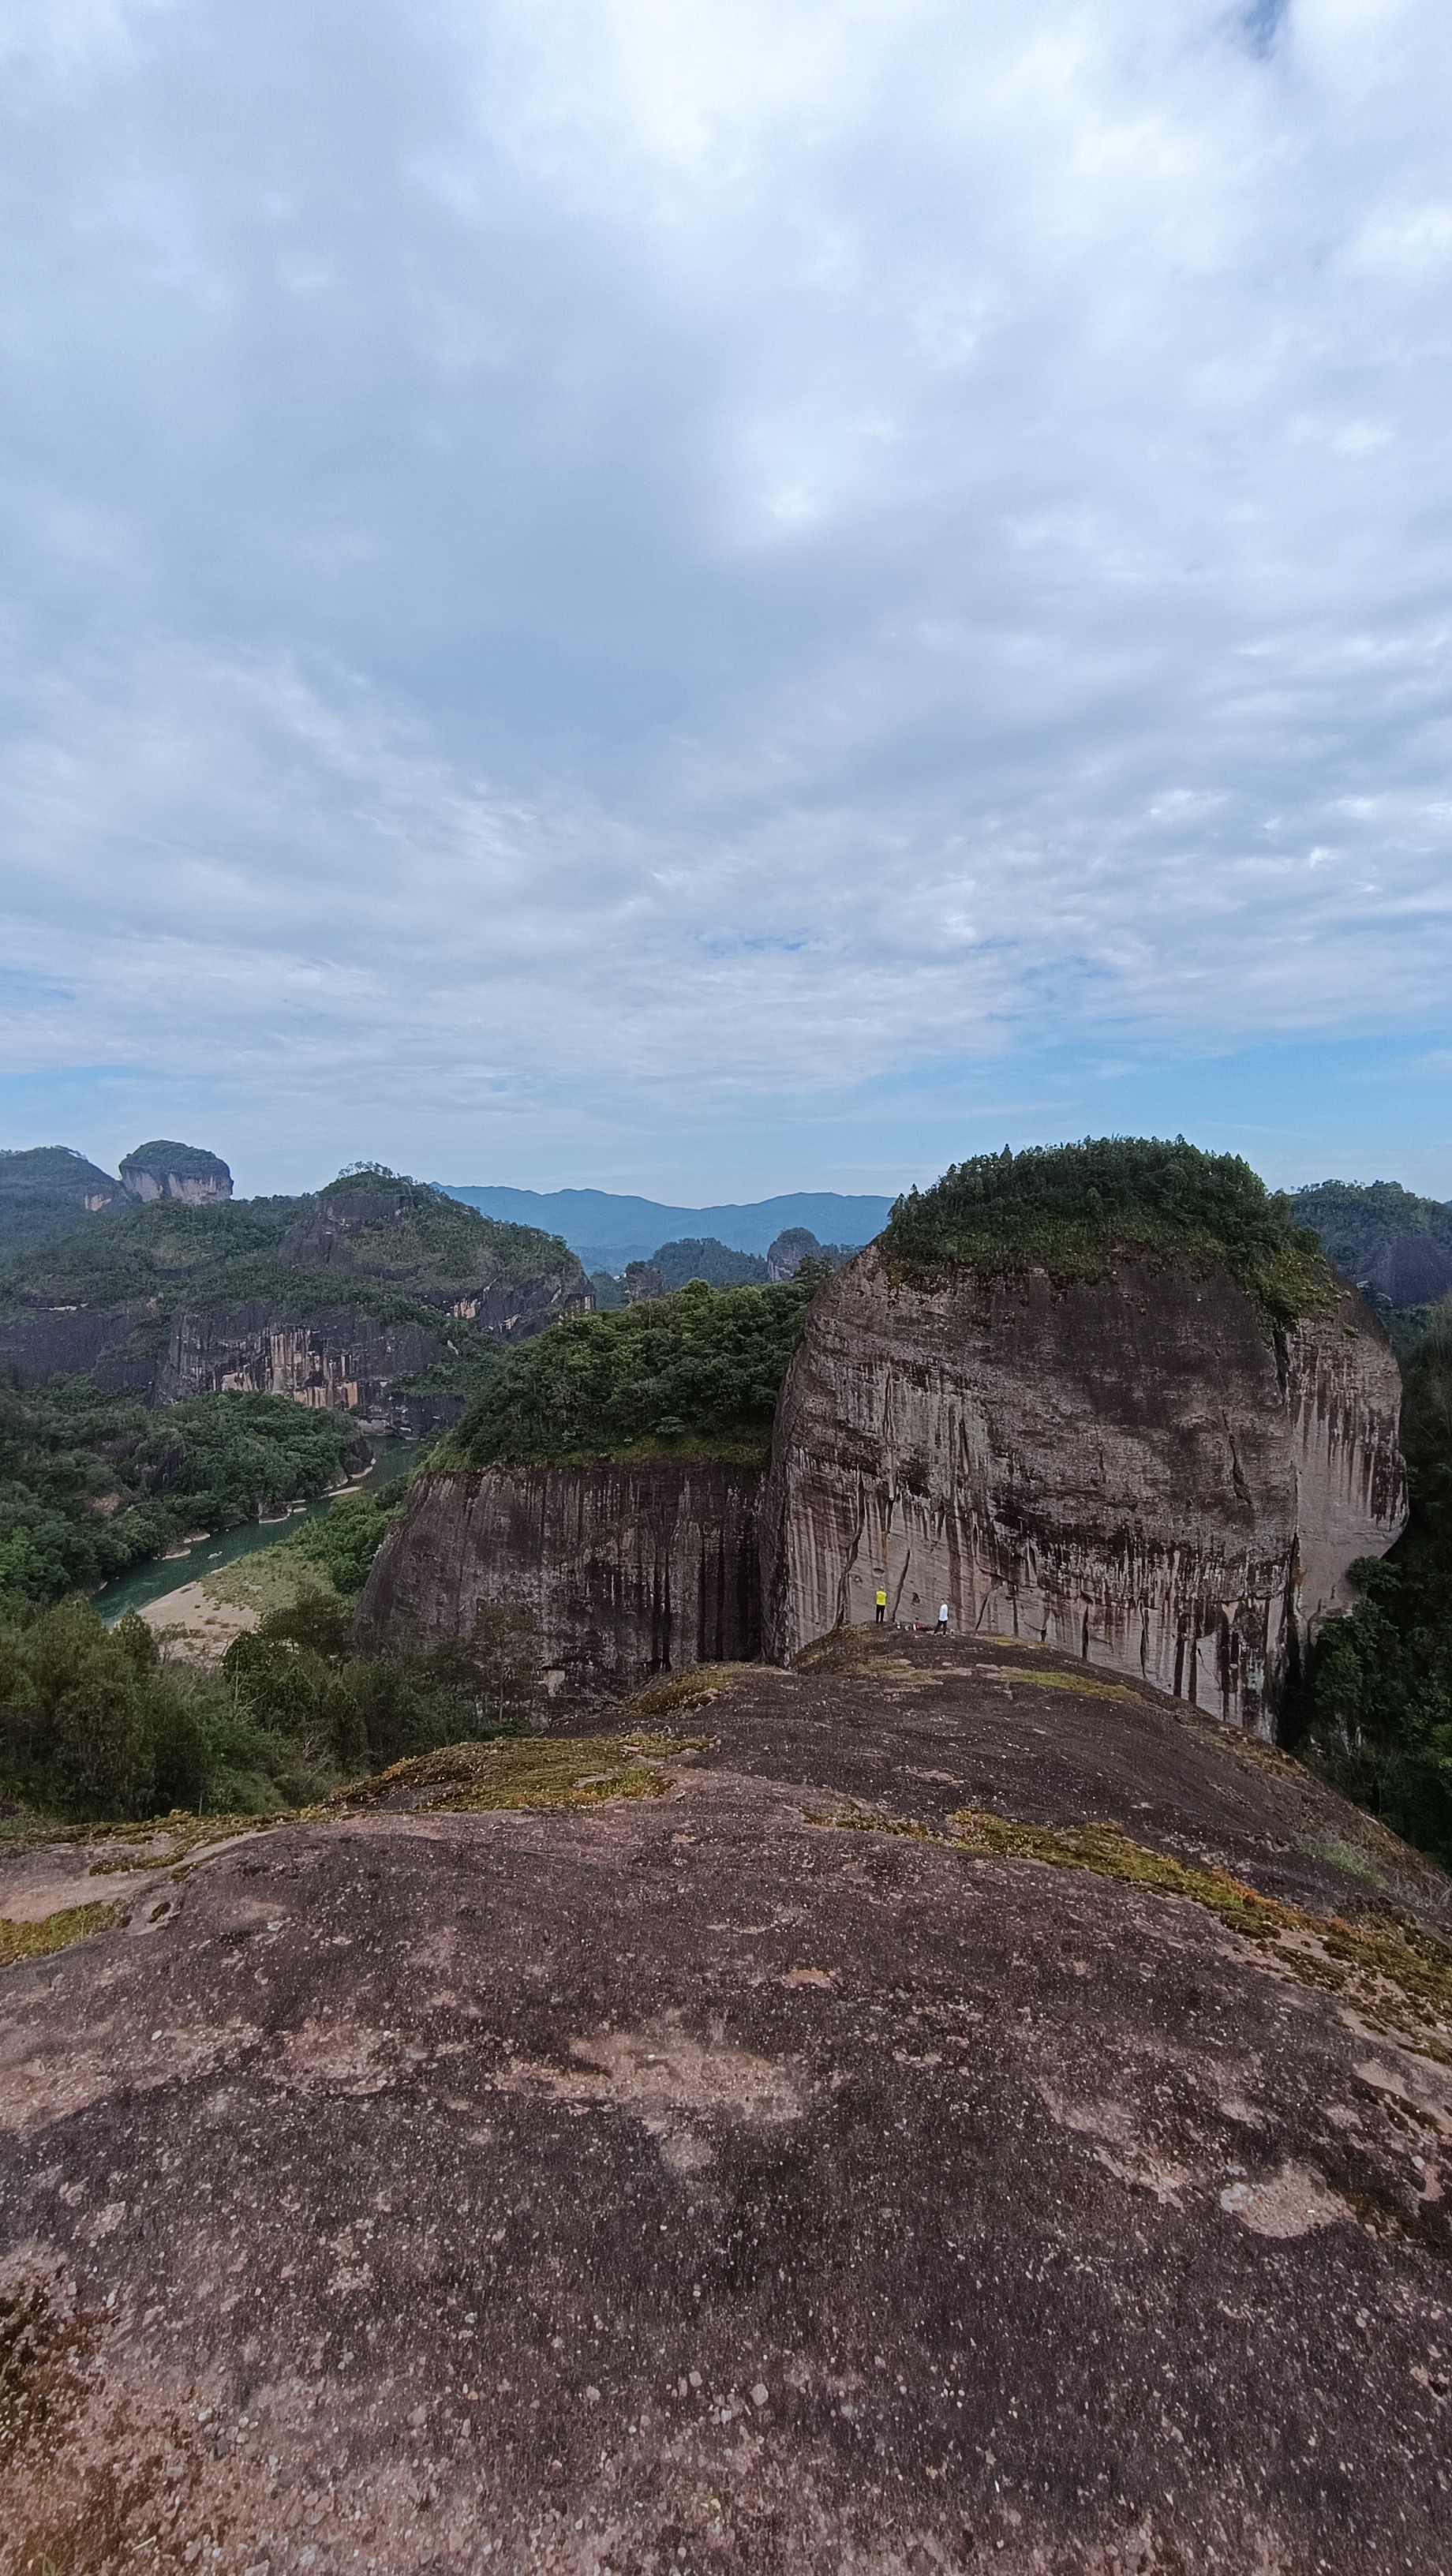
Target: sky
(713, 599)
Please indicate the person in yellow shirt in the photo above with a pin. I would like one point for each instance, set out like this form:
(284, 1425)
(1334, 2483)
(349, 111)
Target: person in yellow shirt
(881, 1604)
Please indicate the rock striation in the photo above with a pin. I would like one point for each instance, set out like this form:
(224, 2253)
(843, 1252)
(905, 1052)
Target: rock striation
(340, 1362)
(167, 1170)
(630, 1571)
(1128, 1467)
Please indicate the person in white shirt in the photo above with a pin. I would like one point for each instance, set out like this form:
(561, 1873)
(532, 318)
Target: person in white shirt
(942, 1618)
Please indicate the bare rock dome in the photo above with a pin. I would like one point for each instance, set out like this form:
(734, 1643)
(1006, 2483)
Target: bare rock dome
(167, 1170)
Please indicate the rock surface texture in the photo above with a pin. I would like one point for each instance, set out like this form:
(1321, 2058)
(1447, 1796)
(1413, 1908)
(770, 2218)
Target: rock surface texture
(343, 1362)
(340, 1360)
(685, 2182)
(173, 1171)
(1129, 1468)
(630, 1571)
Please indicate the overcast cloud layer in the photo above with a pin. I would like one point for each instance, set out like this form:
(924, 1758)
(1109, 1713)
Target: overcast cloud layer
(710, 599)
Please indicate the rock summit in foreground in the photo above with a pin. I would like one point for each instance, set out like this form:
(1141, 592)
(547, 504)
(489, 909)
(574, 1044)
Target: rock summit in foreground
(834, 2147)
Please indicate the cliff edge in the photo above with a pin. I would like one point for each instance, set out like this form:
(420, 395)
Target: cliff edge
(1134, 1467)
(823, 2144)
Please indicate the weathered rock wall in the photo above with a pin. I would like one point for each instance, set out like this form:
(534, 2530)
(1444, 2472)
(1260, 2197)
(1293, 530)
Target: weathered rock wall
(340, 1361)
(49, 1340)
(1126, 1467)
(631, 1571)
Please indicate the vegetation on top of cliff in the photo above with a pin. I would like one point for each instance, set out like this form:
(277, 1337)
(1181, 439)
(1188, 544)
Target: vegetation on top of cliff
(166, 1155)
(373, 1223)
(1071, 1209)
(291, 1253)
(91, 1484)
(692, 1375)
(1378, 1706)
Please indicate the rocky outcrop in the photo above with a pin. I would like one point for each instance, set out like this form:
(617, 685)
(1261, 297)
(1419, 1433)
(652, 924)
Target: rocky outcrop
(334, 1360)
(340, 1361)
(1127, 1467)
(498, 2173)
(114, 1346)
(166, 1170)
(630, 1570)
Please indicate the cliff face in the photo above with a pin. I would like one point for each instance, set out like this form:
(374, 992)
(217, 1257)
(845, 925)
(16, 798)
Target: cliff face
(167, 1170)
(340, 1362)
(630, 1570)
(189, 1295)
(111, 1345)
(1125, 1468)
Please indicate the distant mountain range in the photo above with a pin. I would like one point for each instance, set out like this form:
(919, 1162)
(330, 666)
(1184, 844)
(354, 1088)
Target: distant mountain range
(607, 1229)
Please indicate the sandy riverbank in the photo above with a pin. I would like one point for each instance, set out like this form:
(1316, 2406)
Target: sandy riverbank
(198, 1621)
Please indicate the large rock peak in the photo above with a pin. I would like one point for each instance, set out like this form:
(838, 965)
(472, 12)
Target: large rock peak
(165, 1169)
(354, 1204)
(1130, 1467)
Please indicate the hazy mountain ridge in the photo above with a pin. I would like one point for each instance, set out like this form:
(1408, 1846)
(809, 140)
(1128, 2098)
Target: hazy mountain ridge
(608, 1229)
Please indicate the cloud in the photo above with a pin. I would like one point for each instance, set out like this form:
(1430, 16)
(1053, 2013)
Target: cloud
(636, 564)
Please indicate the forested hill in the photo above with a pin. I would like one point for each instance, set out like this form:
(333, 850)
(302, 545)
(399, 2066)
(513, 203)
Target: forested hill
(1383, 1237)
(392, 1280)
(385, 1243)
(48, 1190)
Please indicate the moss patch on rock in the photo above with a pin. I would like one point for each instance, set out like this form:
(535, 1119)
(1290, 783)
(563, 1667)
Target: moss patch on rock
(53, 1932)
(1388, 1966)
(678, 1693)
(531, 1771)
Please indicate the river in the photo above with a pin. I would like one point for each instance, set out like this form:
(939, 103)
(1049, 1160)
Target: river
(152, 1580)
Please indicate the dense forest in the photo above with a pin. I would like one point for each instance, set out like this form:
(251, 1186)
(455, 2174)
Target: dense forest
(704, 1257)
(694, 1374)
(93, 1723)
(91, 1484)
(1378, 1711)
(1072, 1208)
(1357, 1221)
(47, 1190)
